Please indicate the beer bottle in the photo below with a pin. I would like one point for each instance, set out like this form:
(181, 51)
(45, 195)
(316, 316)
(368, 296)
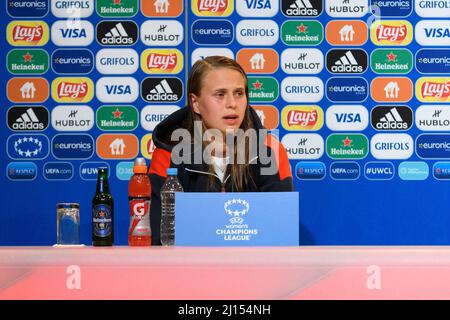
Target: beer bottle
(102, 212)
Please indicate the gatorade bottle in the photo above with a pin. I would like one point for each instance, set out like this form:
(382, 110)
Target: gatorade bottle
(139, 190)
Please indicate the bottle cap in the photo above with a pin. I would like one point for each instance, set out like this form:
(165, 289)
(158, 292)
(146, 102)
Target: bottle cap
(102, 169)
(139, 166)
(172, 171)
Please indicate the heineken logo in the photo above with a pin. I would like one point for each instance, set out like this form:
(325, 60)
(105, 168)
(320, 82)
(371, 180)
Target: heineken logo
(29, 61)
(263, 89)
(302, 33)
(117, 118)
(117, 8)
(347, 146)
(396, 61)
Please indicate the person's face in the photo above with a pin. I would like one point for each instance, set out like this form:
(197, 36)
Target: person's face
(222, 101)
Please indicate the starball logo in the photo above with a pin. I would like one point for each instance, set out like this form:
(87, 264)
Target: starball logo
(210, 8)
(27, 33)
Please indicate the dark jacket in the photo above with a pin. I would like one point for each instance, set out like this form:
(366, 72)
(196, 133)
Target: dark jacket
(194, 177)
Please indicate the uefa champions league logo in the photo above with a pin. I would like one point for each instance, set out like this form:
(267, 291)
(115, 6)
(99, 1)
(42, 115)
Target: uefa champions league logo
(236, 229)
(236, 208)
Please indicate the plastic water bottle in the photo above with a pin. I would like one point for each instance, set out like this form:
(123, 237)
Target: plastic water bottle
(170, 186)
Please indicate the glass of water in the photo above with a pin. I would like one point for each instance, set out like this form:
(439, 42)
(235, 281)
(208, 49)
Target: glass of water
(67, 223)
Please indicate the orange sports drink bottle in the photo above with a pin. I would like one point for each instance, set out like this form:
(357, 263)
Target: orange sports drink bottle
(139, 190)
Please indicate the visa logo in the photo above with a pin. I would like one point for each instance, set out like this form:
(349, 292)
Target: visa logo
(73, 33)
(258, 4)
(347, 117)
(118, 89)
(437, 33)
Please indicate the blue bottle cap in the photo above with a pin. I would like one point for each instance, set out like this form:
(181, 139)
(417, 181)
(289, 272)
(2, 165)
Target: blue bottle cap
(172, 171)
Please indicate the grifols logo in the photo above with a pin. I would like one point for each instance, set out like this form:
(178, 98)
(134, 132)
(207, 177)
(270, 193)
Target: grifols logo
(213, 6)
(72, 90)
(435, 89)
(27, 33)
(162, 61)
(391, 33)
(302, 118)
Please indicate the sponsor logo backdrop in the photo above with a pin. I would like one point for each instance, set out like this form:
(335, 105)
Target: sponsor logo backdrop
(359, 101)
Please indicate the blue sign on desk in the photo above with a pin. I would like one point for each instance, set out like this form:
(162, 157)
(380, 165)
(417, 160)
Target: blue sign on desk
(237, 219)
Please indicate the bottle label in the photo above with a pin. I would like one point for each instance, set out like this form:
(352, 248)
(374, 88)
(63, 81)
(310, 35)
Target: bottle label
(102, 220)
(139, 217)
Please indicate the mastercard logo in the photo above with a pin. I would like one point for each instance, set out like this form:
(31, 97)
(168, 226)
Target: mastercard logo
(147, 146)
(72, 90)
(117, 146)
(166, 61)
(255, 61)
(212, 8)
(27, 33)
(398, 89)
(433, 89)
(302, 118)
(268, 115)
(391, 32)
(27, 90)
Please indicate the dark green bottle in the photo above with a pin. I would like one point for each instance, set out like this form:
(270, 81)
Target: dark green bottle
(102, 212)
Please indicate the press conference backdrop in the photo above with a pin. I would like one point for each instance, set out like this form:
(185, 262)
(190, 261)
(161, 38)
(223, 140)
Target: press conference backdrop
(357, 91)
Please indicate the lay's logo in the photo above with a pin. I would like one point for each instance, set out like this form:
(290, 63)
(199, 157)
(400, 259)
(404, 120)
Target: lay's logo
(433, 89)
(27, 33)
(208, 8)
(166, 61)
(72, 90)
(302, 118)
(391, 32)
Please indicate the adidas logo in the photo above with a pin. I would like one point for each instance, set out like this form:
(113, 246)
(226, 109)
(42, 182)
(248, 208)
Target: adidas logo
(28, 121)
(117, 33)
(301, 8)
(391, 119)
(162, 91)
(347, 63)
